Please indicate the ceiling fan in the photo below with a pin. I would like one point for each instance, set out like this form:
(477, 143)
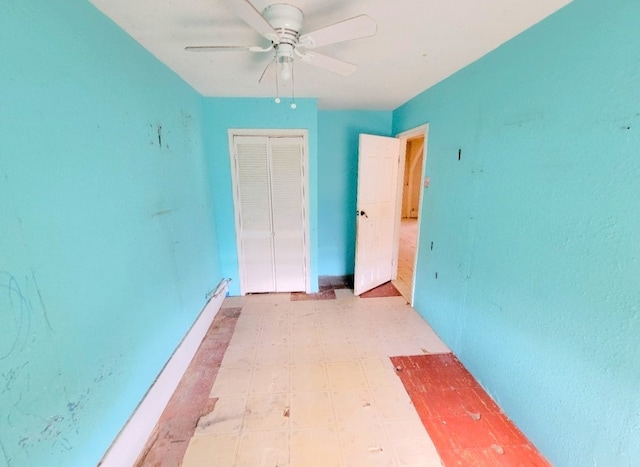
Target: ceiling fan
(282, 24)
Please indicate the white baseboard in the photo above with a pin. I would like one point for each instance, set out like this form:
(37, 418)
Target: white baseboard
(133, 437)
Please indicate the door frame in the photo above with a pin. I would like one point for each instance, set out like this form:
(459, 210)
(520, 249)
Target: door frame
(422, 130)
(271, 132)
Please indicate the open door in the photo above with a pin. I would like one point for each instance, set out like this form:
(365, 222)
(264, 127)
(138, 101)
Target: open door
(378, 158)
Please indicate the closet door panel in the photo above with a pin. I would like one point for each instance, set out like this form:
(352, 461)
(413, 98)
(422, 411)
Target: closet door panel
(254, 213)
(288, 212)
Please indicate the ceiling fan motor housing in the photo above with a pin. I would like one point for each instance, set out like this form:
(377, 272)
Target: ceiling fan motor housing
(287, 21)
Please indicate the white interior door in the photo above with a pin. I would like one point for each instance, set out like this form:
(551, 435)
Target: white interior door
(378, 158)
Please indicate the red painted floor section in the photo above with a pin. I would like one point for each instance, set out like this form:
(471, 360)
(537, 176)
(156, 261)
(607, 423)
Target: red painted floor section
(385, 290)
(465, 424)
(190, 401)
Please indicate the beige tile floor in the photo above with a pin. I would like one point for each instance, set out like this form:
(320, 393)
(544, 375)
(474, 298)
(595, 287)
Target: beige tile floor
(309, 383)
(406, 256)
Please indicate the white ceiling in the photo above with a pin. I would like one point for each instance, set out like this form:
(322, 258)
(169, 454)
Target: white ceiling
(418, 43)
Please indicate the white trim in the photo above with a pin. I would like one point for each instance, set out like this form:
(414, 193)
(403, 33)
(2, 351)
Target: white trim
(417, 131)
(133, 437)
(398, 213)
(271, 132)
(422, 130)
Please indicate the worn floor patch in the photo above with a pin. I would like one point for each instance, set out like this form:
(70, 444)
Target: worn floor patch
(465, 424)
(190, 401)
(385, 290)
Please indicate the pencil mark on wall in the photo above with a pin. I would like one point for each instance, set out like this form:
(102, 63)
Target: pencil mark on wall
(5, 455)
(187, 128)
(104, 373)
(11, 376)
(14, 407)
(161, 213)
(18, 314)
(44, 308)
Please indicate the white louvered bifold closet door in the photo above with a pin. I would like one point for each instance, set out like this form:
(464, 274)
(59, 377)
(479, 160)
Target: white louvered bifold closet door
(271, 210)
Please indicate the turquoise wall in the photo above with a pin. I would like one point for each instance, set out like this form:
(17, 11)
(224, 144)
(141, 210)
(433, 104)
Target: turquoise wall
(107, 245)
(535, 228)
(338, 133)
(222, 114)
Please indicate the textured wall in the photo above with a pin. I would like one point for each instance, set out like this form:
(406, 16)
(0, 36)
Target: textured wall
(338, 182)
(535, 228)
(222, 114)
(106, 241)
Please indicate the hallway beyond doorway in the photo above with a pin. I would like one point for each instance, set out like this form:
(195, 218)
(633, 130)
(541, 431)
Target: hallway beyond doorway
(406, 257)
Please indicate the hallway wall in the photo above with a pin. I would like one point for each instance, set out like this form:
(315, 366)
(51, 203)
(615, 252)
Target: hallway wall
(535, 228)
(107, 243)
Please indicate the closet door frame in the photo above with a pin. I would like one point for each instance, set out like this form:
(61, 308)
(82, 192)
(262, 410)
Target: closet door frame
(304, 134)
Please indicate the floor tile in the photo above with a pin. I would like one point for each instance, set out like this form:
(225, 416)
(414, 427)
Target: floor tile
(204, 451)
(401, 432)
(339, 352)
(379, 372)
(311, 409)
(315, 447)
(354, 406)
(365, 445)
(306, 353)
(270, 354)
(269, 380)
(344, 294)
(231, 382)
(393, 404)
(238, 356)
(263, 449)
(346, 375)
(226, 418)
(267, 412)
(307, 377)
(417, 454)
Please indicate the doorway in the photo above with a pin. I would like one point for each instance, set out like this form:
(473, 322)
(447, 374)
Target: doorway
(409, 204)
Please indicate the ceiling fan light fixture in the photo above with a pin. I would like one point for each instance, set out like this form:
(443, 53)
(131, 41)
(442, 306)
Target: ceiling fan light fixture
(285, 68)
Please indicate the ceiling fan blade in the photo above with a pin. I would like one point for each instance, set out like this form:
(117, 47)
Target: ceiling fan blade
(225, 48)
(353, 28)
(247, 12)
(328, 63)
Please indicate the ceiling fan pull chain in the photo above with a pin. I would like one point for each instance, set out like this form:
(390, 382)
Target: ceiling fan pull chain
(277, 99)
